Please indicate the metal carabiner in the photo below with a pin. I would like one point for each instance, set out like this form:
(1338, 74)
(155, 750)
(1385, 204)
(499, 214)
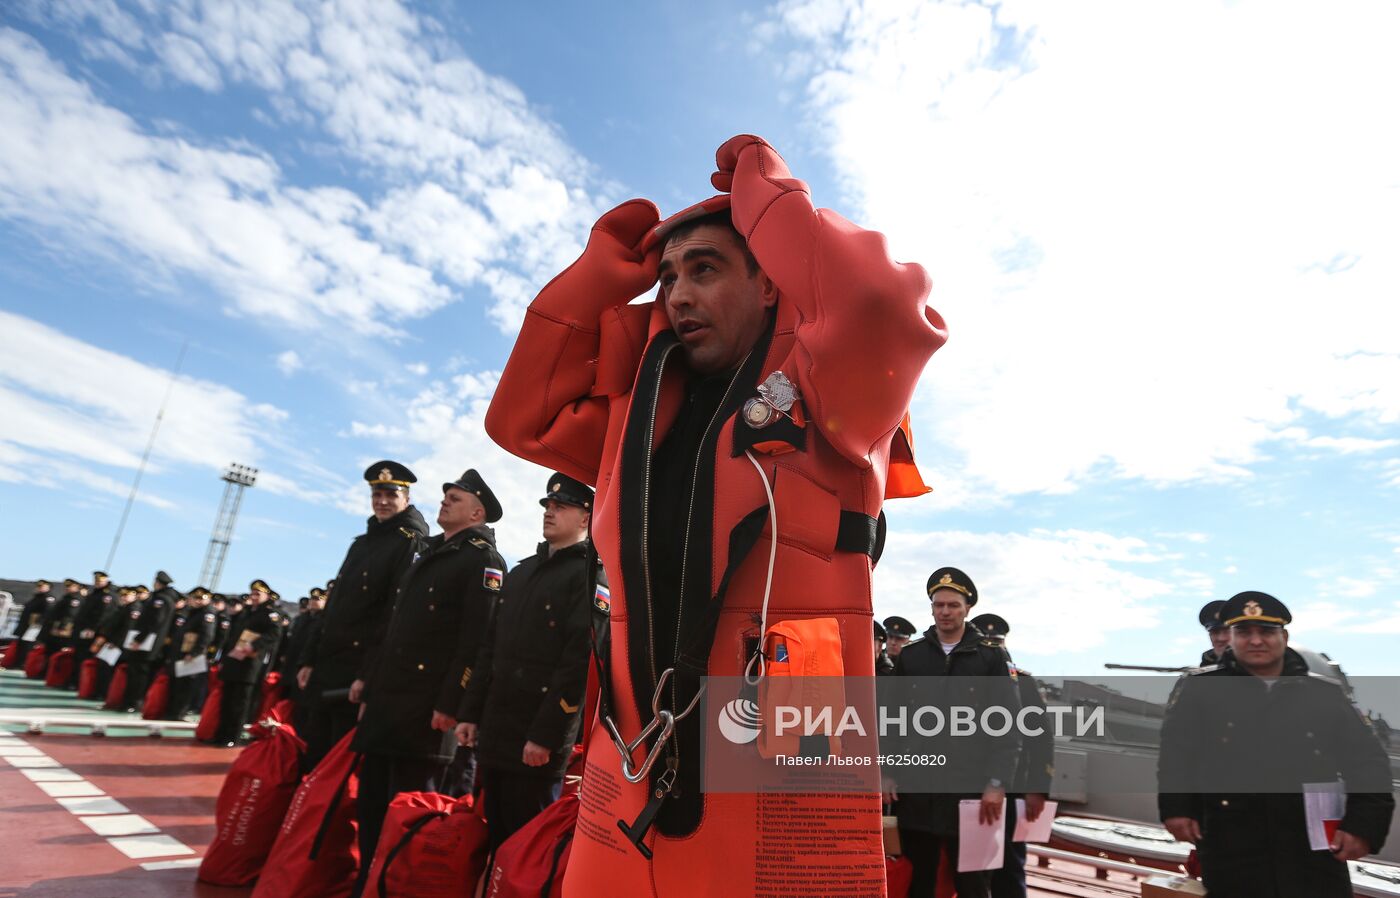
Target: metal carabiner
(661, 719)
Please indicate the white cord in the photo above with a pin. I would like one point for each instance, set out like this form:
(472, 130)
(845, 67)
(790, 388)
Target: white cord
(772, 559)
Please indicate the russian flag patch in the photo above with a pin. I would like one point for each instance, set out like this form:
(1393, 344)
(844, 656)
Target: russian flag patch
(491, 578)
(602, 599)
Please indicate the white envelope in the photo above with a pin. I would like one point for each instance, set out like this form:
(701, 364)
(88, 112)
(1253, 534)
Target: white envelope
(129, 643)
(981, 846)
(1039, 831)
(1323, 801)
(196, 665)
(31, 634)
(109, 655)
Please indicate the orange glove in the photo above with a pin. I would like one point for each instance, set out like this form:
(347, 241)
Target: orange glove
(614, 268)
(754, 175)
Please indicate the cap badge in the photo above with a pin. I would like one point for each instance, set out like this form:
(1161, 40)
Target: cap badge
(555, 487)
(385, 474)
(947, 580)
(1252, 609)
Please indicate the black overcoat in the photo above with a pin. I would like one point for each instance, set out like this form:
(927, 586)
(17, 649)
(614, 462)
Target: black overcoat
(441, 609)
(258, 627)
(341, 650)
(982, 758)
(533, 667)
(1304, 728)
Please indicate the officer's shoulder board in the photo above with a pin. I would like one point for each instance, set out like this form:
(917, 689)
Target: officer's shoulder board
(408, 533)
(479, 542)
(1323, 678)
(1196, 671)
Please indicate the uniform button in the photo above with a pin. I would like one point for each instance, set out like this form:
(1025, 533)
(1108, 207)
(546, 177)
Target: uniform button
(431, 607)
(355, 644)
(430, 589)
(544, 689)
(546, 607)
(551, 623)
(1224, 802)
(1229, 724)
(420, 667)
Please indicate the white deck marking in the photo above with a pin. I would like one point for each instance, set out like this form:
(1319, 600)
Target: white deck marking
(131, 834)
(119, 824)
(102, 805)
(172, 865)
(79, 789)
(158, 845)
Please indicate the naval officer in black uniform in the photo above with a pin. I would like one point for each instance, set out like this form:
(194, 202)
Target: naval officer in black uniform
(144, 640)
(521, 709)
(339, 652)
(253, 636)
(1035, 770)
(952, 648)
(418, 675)
(1219, 633)
(1242, 738)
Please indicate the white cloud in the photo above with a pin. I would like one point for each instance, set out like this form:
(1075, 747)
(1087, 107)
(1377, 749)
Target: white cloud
(1073, 589)
(1158, 239)
(74, 166)
(73, 429)
(495, 197)
(289, 362)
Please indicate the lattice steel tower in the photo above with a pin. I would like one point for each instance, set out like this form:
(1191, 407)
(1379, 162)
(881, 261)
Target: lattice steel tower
(237, 478)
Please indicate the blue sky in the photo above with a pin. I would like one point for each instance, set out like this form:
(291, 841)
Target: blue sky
(1163, 238)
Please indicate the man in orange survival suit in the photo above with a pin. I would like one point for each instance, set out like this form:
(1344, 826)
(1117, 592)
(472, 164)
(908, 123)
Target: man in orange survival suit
(783, 343)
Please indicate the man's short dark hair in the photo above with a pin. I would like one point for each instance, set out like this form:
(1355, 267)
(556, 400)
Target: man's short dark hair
(720, 219)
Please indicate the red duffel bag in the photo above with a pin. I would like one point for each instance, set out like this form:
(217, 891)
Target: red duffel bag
(251, 804)
(36, 663)
(431, 846)
(272, 692)
(11, 653)
(209, 714)
(316, 855)
(87, 678)
(899, 876)
(157, 698)
(531, 863)
(116, 690)
(60, 669)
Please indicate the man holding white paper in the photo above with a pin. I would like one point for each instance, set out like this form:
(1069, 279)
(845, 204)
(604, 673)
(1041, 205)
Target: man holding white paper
(968, 668)
(1255, 752)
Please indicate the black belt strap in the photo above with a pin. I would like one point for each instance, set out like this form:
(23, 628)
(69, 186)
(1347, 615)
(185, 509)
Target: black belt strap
(409, 833)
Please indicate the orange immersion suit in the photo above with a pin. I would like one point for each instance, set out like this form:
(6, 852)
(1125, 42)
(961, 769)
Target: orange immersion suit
(588, 391)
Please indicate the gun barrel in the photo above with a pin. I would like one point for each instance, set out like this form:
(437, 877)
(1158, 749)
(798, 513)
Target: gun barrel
(1111, 666)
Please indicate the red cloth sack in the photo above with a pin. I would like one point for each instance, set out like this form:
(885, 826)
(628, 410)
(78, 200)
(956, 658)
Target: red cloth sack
(209, 714)
(899, 875)
(432, 846)
(116, 690)
(60, 668)
(251, 803)
(87, 678)
(316, 855)
(531, 863)
(157, 698)
(272, 692)
(11, 653)
(37, 662)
